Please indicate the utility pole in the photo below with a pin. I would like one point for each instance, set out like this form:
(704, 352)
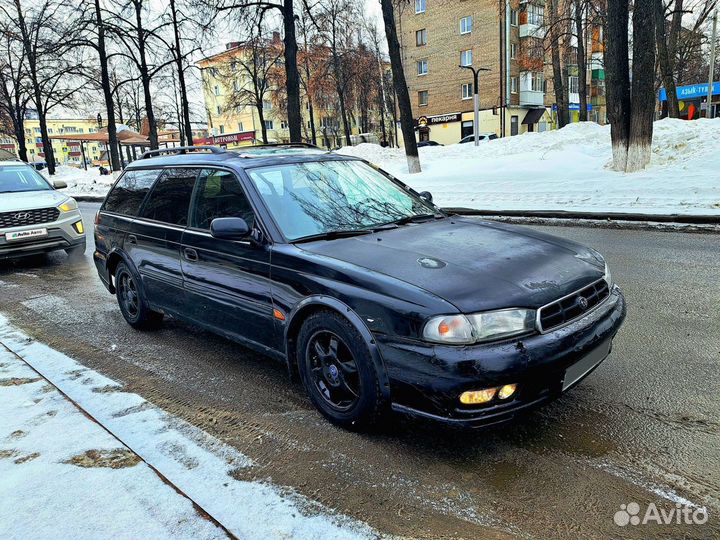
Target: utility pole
(476, 101)
(712, 64)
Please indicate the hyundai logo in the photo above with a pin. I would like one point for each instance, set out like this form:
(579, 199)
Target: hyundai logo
(582, 302)
(22, 216)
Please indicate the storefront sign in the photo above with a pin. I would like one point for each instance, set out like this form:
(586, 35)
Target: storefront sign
(438, 119)
(573, 107)
(691, 91)
(229, 138)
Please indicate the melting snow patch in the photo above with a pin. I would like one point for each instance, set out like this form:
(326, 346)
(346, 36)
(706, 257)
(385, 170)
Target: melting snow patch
(194, 461)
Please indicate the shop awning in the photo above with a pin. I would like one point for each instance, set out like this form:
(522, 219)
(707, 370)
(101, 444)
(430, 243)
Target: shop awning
(533, 116)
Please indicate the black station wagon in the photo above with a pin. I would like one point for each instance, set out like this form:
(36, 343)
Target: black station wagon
(375, 297)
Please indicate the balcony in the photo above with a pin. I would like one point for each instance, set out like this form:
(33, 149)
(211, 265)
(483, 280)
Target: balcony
(532, 98)
(532, 31)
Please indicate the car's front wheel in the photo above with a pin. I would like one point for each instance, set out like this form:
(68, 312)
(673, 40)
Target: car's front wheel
(131, 299)
(338, 372)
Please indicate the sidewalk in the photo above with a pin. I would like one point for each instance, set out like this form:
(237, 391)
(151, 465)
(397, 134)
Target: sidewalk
(82, 458)
(63, 476)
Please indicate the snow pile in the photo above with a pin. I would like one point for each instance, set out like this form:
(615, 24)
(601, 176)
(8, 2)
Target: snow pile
(82, 182)
(53, 501)
(567, 169)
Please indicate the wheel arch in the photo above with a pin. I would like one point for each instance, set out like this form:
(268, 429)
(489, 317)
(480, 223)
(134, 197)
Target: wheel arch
(313, 304)
(115, 257)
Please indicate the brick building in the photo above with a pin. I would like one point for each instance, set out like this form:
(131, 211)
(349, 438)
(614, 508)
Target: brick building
(437, 36)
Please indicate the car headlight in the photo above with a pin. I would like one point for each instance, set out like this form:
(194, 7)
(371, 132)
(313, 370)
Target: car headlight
(68, 205)
(486, 326)
(608, 276)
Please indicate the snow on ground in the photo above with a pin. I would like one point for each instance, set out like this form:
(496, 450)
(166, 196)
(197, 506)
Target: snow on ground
(567, 170)
(82, 182)
(44, 496)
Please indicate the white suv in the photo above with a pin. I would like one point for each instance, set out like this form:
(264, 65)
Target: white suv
(34, 217)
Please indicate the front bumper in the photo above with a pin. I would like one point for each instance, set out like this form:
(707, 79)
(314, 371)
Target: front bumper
(60, 235)
(426, 380)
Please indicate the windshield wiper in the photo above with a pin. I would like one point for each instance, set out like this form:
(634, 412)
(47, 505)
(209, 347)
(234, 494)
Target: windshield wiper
(417, 218)
(332, 235)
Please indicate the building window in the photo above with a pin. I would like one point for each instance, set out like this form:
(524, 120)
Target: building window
(513, 17)
(419, 6)
(421, 37)
(422, 67)
(513, 85)
(240, 127)
(222, 130)
(217, 90)
(466, 58)
(467, 92)
(422, 98)
(513, 51)
(269, 124)
(573, 84)
(536, 14)
(267, 105)
(537, 82)
(218, 110)
(466, 25)
(283, 125)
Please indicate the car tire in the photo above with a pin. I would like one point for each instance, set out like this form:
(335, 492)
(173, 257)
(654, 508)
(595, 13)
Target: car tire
(131, 299)
(327, 339)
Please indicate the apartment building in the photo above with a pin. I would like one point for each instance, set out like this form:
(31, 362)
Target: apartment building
(65, 152)
(234, 122)
(505, 37)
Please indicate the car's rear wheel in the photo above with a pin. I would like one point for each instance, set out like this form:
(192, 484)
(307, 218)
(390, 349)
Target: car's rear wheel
(131, 299)
(338, 372)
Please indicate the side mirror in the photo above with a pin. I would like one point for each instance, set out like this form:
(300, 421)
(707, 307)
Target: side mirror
(427, 196)
(229, 228)
(59, 184)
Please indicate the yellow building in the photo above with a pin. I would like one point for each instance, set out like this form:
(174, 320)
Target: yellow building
(234, 122)
(66, 152)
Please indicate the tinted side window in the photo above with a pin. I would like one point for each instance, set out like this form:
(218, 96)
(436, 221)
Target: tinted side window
(219, 194)
(129, 193)
(169, 200)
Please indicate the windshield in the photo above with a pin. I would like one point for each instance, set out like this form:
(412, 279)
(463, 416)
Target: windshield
(16, 178)
(308, 199)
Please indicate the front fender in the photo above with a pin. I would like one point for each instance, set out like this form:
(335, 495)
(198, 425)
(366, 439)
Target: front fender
(296, 316)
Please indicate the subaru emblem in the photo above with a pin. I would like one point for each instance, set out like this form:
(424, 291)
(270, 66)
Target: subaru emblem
(582, 303)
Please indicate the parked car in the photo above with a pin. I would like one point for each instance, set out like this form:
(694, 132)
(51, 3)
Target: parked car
(375, 297)
(423, 144)
(482, 137)
(34, 216)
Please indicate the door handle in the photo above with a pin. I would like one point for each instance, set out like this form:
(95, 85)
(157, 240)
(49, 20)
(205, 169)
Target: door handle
(132, 239)
(190, 254)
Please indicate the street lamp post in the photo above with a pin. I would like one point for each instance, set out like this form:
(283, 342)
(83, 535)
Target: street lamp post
(476, 101)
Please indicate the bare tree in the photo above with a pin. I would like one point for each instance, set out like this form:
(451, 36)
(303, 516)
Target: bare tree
(14, 93)
(401, 89)
(580, 9)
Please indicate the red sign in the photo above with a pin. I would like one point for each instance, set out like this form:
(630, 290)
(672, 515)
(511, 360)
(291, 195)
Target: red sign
(7, 146)
(230, 138)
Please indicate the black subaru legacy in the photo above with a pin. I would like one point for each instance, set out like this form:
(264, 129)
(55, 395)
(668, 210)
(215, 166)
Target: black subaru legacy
(378, 300)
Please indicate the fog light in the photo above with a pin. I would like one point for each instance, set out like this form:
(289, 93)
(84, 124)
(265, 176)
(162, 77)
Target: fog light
(79, 227)
(475, 397)
(507, 391)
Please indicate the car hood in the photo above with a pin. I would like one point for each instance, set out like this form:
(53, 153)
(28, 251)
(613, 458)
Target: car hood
(29, 200)
(475, 265)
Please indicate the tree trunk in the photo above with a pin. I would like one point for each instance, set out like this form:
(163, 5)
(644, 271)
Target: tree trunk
(618, 80)
(311, 112)
(665, 61)
(145, 77)
(643, 87)
(343, 113)
(291, 73)
(184, 105)
(581, 59)
(558, 76)
(261, 115)
(107, 91)
(19, 129)
(401, 89)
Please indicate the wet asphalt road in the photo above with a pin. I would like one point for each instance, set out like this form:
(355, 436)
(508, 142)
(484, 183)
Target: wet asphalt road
(644, 427)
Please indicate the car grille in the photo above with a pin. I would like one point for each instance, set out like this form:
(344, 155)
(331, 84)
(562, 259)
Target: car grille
(572, 306)
(21, 218)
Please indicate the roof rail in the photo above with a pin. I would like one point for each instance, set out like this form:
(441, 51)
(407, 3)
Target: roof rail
(182, 150)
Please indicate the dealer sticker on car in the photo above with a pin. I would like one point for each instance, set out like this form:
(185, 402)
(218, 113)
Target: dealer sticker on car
(23, 235)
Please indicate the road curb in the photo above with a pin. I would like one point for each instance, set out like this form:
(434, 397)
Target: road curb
(679, 219)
